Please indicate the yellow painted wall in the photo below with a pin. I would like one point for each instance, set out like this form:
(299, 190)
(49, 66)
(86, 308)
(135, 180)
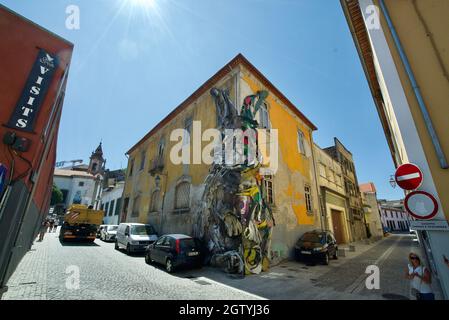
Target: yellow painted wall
(428, 72)
(294, 169)
(291, 162)
(203, 110)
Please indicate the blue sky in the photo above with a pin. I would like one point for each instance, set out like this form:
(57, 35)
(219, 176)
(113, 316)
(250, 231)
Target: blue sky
(134, 63)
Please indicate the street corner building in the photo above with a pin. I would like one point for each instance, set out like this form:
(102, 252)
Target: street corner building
(252, 211)
(34, 66)
(404, 52)
(343, 164)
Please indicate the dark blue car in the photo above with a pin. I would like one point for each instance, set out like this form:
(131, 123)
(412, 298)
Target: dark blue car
(174, 251)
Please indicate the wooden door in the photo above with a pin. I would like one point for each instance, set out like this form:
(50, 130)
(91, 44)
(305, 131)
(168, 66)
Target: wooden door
(337, 225)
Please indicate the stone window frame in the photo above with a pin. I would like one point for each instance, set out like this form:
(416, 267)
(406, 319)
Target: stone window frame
(301, 142)
(152, 208)
(143, 156)
(308, 198)
(264, 110)
(135, 212)
(180, 181)
(270, 179)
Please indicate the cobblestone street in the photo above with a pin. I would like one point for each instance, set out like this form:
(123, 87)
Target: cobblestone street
(104, 274)
(109, 274)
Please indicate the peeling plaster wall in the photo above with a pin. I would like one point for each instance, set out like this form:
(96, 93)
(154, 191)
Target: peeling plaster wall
(294, 171)
(166, 220)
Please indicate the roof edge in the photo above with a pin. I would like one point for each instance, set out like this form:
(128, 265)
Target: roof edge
(36, 24)
(238, 59)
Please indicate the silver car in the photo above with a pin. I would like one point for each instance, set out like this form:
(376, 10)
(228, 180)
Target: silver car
(109, 232)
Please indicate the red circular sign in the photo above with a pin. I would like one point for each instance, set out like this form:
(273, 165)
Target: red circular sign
(421, 205)
(408, 176)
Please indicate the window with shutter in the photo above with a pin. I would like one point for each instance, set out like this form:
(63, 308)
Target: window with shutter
(269, 192)
(264, 119)
(136, 206)
(155, 201)
(182, 196)
(301, 147)
(308, 198)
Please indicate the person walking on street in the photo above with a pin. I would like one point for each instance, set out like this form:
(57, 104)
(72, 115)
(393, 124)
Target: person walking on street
(55, 226)
(52, 223)
(43, 229)
(420, 278)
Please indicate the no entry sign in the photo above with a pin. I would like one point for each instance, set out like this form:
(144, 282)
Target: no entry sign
(421, 205)
(408, 176)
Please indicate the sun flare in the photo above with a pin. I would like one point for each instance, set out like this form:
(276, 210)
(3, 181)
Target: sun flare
(143, 3)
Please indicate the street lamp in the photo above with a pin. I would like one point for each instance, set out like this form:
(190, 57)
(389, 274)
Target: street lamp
(392, 181)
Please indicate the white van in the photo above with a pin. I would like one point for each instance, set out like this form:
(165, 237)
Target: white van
(134, 237)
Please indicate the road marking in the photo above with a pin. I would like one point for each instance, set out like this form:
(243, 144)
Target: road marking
(230, 287)
(359, 284)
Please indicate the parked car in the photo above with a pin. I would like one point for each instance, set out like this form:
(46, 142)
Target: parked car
(174, 251)
(317, 245)
(134, 237)
(414, 235)
(109, 232)
(99, 230)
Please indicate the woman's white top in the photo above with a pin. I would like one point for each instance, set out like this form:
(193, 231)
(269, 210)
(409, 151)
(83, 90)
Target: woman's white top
(418, 283)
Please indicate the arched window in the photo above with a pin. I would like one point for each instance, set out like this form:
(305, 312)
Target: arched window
(136, 207)
(182, 195)
(154, 206)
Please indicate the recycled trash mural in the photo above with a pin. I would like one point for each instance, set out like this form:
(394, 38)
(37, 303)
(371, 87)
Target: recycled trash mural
(234, 220)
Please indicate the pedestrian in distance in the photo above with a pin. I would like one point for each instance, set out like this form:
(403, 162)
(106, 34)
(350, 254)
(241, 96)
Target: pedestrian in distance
(43, 230)
(52, 223)
(420, 278)
(55, 226)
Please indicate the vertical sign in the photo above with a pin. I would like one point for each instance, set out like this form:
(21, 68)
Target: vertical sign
(3, 176)
(25, 112)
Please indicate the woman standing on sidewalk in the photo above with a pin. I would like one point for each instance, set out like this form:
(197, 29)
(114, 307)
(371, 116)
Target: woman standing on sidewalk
(420, 278)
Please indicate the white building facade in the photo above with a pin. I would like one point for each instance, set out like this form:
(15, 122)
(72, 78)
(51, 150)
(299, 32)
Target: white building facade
(76, 186)
(111, 202)
(393, 216)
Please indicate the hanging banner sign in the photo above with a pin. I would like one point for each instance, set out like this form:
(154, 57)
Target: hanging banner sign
(3, 180)
(39, 80)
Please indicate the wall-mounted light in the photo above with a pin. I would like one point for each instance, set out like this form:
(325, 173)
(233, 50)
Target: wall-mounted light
(392, 181)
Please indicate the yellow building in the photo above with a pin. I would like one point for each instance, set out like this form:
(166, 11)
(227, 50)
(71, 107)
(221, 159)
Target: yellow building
(167, 195)
(404, 51)
(333, 196)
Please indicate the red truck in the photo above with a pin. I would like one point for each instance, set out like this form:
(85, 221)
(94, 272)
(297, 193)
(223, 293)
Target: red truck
(34, 66)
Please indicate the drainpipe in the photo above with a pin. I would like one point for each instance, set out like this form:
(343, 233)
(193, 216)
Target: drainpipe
(320, 200)
(428, 122)
(161, 223)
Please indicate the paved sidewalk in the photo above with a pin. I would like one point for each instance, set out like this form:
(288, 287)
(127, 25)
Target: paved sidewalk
(343, 279)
